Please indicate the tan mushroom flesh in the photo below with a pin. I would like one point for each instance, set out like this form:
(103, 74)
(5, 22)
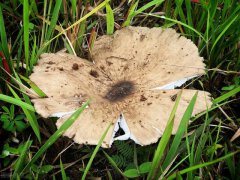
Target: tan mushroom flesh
(130, 83)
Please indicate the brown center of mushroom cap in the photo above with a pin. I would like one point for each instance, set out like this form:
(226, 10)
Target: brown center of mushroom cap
(119, 91)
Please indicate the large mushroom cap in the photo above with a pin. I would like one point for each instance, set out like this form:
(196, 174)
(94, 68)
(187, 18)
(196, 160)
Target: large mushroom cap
(133, 74)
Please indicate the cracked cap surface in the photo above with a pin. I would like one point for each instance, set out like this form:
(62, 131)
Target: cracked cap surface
(126, 66)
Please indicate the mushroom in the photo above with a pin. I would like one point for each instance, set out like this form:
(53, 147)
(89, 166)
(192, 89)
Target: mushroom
(130, 83)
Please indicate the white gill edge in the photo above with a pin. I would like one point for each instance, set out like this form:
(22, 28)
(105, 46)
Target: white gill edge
(175, 84)
(61, 114)
(121, 123)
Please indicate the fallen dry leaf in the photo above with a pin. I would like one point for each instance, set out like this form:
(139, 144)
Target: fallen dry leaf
(236, 135)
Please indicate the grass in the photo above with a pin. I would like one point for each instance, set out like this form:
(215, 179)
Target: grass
(203, 150)
(155, 170)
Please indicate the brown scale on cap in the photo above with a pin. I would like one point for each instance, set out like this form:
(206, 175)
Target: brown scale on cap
(94, 73)
(75, 66)
(143, 98)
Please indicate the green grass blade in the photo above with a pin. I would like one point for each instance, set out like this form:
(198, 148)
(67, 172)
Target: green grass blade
(110, 19)
(132, 13)
(34, 8)
(182, 128)
(39, 92)
(178, 22)
(148, 5)
(222, 33)
(189, 16)
(56, 135)
(175, 167)
(230, 162)
(206, 34)
(68, 47)
(95, 152)
(74, 8)
(190, 147)
(26, 33)
(127, 22)
(21, 159)
(202, 165)
(163, 142)
(29, 114)
(113, 163)
(54, 20)
(16, 102)
(81, 34)
(17, 42)
(31, 119)
(227, 95)
(3, 35)
(19, 51)
(109, 175)
(179, 11)
(64, 176)
(44, 23)
(33, 59)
